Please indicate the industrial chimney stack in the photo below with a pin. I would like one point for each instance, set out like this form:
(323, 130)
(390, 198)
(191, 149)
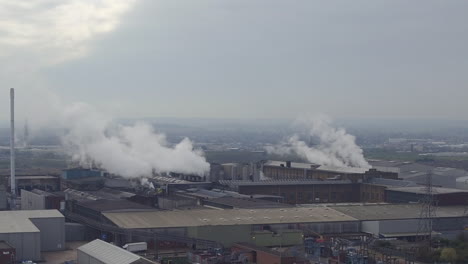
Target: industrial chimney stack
(12, 148)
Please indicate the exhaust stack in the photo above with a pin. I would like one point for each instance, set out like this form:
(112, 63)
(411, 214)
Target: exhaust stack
(12, 146)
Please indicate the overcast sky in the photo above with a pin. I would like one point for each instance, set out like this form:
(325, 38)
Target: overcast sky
(237, 58)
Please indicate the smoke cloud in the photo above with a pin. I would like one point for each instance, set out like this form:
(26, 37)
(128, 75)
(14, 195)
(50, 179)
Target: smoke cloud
(328, 145)
(91, 138)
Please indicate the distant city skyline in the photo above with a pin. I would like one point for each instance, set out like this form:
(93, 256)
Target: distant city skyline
(236, 59)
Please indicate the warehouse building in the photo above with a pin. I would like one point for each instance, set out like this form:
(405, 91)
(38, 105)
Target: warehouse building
(31, 232)
(311, 191)
(100, 252)
(402, 220)
(262, 227)
(441, 196)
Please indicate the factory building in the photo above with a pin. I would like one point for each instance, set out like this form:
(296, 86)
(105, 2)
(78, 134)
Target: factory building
(441, 196)
(42, 182)
(30, 232)
(100, 252)
(94, 209)
(262, 227)
(40, 200)
(311, 191)
(238, 171)
(401, 221)
(80, 173)
(283, 170)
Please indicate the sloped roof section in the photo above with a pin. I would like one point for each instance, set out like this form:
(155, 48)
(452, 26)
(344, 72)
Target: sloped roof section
(109, 253)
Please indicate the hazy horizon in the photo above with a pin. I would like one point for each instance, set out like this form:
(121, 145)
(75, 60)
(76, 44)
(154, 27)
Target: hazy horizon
(243, 59)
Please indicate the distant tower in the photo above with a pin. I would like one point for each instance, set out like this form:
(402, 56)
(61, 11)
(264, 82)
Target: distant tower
(427, 212)
(12, 149)
(26, 134)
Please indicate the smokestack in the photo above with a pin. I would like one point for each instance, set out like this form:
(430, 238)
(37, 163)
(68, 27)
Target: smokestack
(12, 146)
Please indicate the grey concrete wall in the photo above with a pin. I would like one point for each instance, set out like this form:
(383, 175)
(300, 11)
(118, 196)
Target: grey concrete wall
(27, 245)
(32, 201)
(52, 233)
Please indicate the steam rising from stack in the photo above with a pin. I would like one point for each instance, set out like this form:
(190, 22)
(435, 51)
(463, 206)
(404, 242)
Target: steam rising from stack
(332, 146)
(129, 151)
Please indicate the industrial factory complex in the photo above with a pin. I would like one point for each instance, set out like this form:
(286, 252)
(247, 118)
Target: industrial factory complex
(232, 219)
(264, 212)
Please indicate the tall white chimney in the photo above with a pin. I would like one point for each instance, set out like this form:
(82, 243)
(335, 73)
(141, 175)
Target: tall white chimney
(12, 146)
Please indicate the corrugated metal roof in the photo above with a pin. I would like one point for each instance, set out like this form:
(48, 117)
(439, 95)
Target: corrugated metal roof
(396, 211)
(108, 253)
(207, 217)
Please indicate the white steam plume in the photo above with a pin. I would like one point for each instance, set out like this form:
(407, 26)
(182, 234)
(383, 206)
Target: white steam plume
(333, 146)
(129, 151)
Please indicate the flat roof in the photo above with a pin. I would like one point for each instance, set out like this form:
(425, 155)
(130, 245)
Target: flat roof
(20, 221)
(282, 182)
(108, 253)
(208, 217)
(396, 211)
(422, 190)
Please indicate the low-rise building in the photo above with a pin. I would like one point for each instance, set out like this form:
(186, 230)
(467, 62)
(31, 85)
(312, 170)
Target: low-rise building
(403, 221)
(100, 252)
(440, 196)
(31, 232)
(40, 200)
(237, 225)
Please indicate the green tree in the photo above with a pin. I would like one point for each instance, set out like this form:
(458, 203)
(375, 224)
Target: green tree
(448, 255)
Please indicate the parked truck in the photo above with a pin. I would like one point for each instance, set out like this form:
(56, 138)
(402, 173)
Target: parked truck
(136, 247)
